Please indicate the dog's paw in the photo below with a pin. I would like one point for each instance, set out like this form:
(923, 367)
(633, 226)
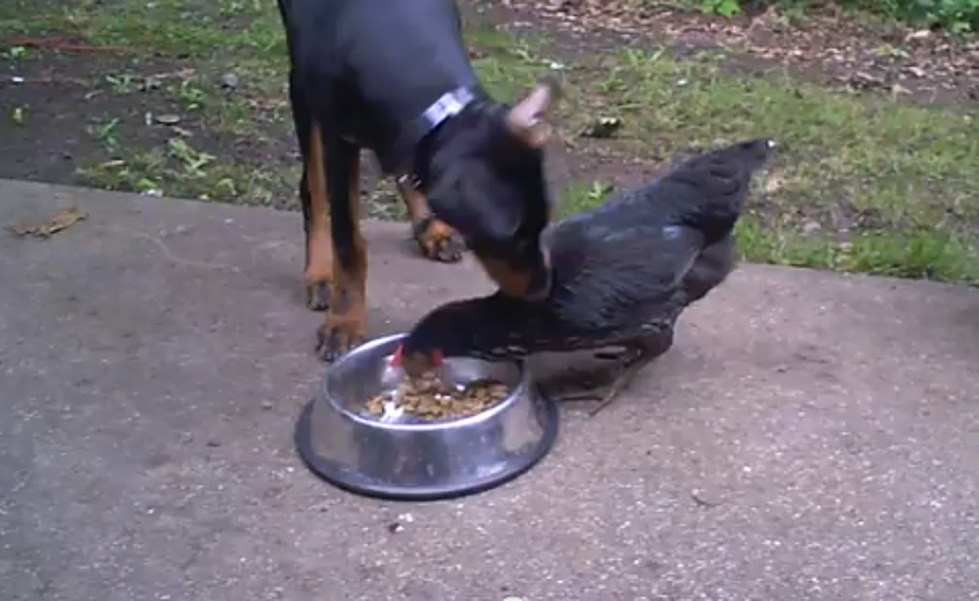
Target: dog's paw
(318, 295)
(437, 241)
(334, 339)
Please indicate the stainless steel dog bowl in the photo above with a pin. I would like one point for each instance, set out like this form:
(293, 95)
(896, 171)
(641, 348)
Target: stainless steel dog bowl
(401, 459)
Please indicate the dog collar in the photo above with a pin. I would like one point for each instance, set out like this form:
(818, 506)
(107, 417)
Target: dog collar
(448, 105)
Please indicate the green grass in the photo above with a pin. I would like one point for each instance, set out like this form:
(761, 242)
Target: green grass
(222, 28)
(186, 172)
(860, 184)
(880, 186)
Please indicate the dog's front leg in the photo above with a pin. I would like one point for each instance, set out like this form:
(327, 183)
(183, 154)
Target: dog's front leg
(345, 325)
(316, 217)
(318, 272)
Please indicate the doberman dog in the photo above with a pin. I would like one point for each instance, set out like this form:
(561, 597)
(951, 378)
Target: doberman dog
(395, 77)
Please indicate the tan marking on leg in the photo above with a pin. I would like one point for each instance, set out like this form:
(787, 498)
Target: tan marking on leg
(319, 263)
(345, 325)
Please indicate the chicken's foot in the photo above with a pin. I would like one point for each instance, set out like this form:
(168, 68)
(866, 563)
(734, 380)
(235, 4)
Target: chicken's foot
(631, 360)
(630, 366)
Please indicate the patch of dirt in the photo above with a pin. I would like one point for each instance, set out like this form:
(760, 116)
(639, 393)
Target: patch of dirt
(44, 116)
(63, 112)
(921, 66)
(58, 113)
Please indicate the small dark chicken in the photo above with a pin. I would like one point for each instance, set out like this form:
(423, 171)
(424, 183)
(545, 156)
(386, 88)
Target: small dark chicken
(622, 274)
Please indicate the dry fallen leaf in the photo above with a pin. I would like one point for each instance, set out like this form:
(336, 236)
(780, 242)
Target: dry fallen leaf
(61, 220)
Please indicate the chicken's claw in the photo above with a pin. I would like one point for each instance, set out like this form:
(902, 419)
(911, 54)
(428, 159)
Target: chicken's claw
(630, 367)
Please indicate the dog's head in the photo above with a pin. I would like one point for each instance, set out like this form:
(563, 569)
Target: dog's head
(487, 181)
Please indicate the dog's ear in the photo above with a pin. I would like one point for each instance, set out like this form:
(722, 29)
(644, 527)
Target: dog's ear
(526, 119)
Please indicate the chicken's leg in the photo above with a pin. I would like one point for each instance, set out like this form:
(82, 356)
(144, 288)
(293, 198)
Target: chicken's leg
(638, 354)
(627, 371)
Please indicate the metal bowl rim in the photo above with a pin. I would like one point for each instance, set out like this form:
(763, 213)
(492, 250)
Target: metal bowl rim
(522, 389)
(353, 483)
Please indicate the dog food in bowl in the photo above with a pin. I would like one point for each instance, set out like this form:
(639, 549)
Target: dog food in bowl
(430, 399)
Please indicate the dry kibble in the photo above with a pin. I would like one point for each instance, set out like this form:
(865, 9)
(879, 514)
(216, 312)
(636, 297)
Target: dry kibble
(430, 399)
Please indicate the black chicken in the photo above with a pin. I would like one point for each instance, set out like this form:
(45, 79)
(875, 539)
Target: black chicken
(622, 274)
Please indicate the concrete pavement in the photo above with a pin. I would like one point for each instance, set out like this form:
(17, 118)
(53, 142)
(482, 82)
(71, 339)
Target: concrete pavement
(811, 436)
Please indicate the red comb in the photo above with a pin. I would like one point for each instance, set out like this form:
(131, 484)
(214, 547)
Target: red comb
(396, 358)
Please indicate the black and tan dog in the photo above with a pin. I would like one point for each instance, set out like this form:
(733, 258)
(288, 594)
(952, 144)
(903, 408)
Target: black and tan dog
(394, 77)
